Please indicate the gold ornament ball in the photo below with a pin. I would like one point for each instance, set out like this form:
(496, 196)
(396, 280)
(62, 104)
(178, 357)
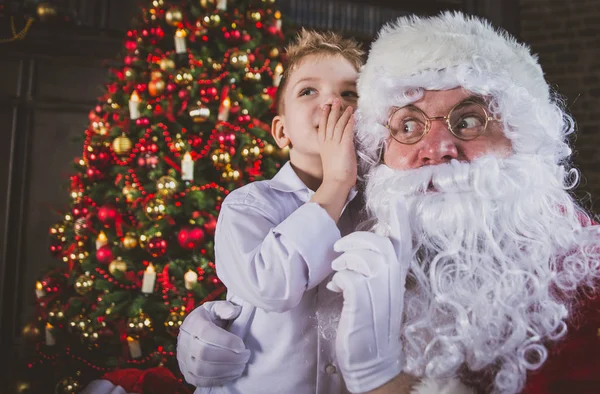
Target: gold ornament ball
(31, 332)
(46, 11)
(274, 53)
(129, 193)
(199, 113)
(121, 145)
(220, 158)
(80, 227)
(67, 385)
(253, 15)
(22, 387)
(183, 77)
(155, 209)
(130, 241)
(56, 314)
(139, 323)
(239, 59)
(78, 324)
(252, 77)
(230, 174)
(156, 74)
(268, 149)
(130, 73)
(166, 185)
(206, 3)
(268, 1)
(174, 16)
(117, 265)
(250, 152)
(156, 87)
(284, 152)
(83, 284)
(158, 3)
(99, 128)
(166, 64)
(211, 21)
(173, 323)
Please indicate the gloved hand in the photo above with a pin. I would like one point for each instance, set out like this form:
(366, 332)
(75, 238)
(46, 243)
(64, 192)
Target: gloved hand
(371, 274)
(207, 354)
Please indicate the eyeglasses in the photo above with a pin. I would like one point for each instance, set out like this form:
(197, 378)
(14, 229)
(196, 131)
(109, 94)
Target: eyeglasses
(467, 120)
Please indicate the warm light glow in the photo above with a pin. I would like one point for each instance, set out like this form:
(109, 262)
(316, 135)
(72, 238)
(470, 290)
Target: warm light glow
(181, 33)
(187, 156)
(150, 268)
(38, 285)
(226, 102)
(135, 97)
(102, 237)
(278, 68)
(277, 15)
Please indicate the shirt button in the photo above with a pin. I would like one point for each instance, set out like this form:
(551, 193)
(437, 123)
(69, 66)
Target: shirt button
(330, 369)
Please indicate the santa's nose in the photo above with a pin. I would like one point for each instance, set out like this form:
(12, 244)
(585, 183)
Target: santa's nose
(438, 146)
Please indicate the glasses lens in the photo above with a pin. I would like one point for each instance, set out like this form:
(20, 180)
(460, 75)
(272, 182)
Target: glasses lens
(407, 125)
(468, 120)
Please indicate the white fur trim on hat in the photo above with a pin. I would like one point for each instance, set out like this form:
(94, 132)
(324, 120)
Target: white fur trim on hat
(450, 43)
(441, 386)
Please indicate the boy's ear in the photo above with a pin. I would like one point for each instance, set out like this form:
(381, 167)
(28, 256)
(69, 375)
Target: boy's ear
(278, 132)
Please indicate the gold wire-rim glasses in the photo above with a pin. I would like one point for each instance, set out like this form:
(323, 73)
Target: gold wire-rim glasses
(428, 120)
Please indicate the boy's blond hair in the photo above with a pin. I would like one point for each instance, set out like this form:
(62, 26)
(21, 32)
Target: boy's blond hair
(310, 42)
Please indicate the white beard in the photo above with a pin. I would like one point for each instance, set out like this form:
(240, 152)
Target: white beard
(489, 280)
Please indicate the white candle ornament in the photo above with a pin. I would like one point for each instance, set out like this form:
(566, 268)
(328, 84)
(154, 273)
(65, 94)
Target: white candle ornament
(222, 5)
(101, 240)
(50, 341)
(180, 46)
(187, 167)
(190, 278)
(277, 75)
(134, 347)
(39, 290)
(149, 280)
(224, 110)
(134, 105)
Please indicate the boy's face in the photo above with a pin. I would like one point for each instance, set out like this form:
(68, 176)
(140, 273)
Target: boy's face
(316, 81)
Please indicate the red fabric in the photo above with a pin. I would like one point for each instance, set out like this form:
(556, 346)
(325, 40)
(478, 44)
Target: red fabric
(573, 364)
(157, 380)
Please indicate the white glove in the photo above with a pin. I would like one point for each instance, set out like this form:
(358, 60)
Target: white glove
(371, 274)
(207, 354)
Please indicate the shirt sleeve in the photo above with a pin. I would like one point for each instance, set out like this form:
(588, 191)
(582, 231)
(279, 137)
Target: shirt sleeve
(271, 265)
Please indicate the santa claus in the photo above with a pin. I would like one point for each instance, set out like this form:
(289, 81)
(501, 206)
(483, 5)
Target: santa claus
(476, 270)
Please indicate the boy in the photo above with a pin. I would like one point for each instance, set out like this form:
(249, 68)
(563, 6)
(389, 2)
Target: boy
(274, 239)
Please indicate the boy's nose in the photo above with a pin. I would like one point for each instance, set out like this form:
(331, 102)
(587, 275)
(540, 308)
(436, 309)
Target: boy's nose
(332, 97)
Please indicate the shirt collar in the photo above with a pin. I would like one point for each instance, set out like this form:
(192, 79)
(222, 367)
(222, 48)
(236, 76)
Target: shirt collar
(286, 180)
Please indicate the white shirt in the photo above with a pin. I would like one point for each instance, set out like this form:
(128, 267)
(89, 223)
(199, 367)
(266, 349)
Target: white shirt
(273, 251)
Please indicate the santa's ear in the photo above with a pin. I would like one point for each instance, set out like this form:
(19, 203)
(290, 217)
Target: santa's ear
(278, 131)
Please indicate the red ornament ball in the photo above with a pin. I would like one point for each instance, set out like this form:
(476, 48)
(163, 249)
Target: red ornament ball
(107, 214)
(190, 238)
(104, 255)
(210, 225)
(157, 246)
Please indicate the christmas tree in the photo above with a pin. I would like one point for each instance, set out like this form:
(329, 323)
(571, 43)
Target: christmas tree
(184, 118)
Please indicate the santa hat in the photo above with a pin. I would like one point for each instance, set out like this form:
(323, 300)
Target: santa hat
(453, 50)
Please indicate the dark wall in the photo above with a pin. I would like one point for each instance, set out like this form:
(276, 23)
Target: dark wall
(566, 35)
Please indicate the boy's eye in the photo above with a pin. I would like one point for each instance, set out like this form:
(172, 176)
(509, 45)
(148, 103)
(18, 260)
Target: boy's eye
(350, 93)
(307, 91)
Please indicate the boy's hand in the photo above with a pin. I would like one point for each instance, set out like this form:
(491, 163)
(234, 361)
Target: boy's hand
(336, 140)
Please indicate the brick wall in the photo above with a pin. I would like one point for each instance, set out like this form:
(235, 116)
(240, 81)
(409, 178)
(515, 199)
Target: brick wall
(566, 36)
